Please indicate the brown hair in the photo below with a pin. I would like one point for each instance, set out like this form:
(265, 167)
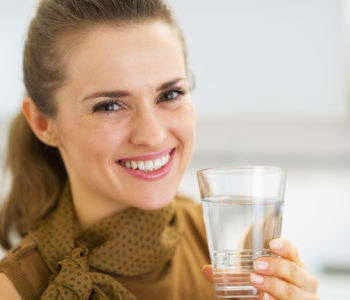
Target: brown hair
(37, 170)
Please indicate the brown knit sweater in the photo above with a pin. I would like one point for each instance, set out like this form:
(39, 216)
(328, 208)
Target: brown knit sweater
(179, 279)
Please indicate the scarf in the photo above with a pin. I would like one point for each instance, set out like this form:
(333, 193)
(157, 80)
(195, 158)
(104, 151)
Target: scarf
(132, 242)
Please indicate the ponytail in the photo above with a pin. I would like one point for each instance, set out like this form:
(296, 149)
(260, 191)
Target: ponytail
(37, 178)
(36, 170)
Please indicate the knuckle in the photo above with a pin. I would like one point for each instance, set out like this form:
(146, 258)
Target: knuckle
(290, 291)
(302, 264)
(314, 283)
(293, 271)
(292, 251)
(295, 254)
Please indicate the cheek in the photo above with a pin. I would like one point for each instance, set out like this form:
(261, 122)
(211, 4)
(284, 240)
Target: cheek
(184, 126)
(83, 138)
(190, 122)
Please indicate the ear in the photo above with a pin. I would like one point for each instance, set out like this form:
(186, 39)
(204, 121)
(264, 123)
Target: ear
(41, 125)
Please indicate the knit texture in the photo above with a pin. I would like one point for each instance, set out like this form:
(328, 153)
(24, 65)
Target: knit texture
(129, 243)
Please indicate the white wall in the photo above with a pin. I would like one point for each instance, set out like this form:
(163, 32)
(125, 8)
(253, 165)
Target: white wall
(14, 20)
(271, 58)
(252, 58)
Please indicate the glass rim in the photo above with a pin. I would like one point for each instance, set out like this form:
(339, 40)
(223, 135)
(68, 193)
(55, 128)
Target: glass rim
(243, 167)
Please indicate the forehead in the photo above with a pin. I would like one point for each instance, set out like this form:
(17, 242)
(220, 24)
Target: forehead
(138, 51)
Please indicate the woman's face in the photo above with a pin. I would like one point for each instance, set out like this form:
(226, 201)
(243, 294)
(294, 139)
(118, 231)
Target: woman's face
(125, 122)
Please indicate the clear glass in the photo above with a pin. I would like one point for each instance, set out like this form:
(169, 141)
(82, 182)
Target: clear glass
(242, 208)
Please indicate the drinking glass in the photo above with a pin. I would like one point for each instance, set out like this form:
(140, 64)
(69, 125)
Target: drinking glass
(242, 208)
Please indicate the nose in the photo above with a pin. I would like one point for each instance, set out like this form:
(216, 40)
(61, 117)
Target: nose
(148, 129)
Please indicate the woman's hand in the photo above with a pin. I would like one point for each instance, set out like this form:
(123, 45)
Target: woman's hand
(280, 278)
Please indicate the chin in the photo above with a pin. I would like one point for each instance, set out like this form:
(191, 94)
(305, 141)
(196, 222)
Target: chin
(154, 202)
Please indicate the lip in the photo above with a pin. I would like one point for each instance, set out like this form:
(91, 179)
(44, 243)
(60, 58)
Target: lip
(152, 175)
(151, 156)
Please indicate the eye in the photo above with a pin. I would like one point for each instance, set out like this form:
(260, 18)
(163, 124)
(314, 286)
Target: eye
(171, 95)
(106, 106)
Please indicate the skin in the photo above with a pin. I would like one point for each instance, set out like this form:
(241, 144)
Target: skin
(282, 278)
(137, 60)
(8, 291)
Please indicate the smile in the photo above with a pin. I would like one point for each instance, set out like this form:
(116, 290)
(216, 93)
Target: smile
(149, 167)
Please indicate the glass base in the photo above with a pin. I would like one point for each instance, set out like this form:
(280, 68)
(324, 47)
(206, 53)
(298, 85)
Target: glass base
(238, 292)
(231, 273)
(235, 286)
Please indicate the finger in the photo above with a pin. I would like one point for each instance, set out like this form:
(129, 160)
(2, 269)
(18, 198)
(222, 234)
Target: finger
(280, 289)
(266, 296)
(207, 271)
(286, 270)
(286, 249)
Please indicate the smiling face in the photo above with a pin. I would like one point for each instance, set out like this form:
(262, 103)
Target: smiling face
(125, 120)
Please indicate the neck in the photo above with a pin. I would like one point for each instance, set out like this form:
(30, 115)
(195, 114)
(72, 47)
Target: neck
(91, 209)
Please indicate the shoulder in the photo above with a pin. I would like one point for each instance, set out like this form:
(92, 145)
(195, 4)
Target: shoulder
(186, 204)
(8, 290)
(191, 215)
(194, 240)
(23, 271)
(187, 207)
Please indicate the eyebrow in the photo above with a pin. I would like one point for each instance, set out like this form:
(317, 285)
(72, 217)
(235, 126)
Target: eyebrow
(121, 93)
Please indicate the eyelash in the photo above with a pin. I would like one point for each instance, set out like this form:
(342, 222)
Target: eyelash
(101, 107)
(178, 90)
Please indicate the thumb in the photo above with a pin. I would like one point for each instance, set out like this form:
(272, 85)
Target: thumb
(208, 273)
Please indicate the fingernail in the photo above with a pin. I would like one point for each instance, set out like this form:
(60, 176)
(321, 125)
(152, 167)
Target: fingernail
(276, 244)
(256, 278)
(261, 265)
(266, 296)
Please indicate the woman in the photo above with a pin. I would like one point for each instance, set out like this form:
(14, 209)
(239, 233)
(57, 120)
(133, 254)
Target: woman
(111, 132)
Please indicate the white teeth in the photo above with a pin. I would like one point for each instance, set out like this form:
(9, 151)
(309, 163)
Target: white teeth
(141, 165)
(149, 165)
(165, 159)
(133, 165)
(157, 163)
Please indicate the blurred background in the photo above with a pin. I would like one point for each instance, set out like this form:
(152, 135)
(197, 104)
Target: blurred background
(272, 88)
